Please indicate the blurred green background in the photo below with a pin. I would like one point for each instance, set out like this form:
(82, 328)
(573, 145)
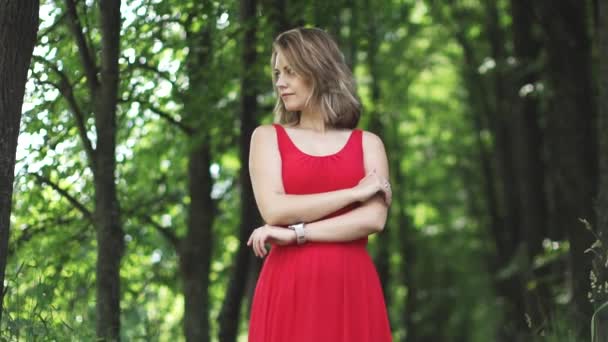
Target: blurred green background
(488, 111)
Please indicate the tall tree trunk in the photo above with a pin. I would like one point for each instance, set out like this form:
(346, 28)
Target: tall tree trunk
(18, 29)
(110, 236)
(529, 168)
(601, 207)
(195, 249)
(571, 137)
(500, 125)
(103, 91)
(229, 317)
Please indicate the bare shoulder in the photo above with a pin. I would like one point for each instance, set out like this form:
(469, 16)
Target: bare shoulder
(264, 135)
(372, 142)
(374, 154)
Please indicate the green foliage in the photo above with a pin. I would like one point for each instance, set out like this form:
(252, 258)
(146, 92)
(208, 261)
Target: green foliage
(425, 107)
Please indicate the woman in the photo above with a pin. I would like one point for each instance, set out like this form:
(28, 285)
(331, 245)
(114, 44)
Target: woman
(321, 186)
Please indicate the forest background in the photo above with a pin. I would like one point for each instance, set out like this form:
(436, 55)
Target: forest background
(124, 140)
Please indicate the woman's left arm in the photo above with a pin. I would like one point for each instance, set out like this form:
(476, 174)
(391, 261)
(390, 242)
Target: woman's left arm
(369, 218)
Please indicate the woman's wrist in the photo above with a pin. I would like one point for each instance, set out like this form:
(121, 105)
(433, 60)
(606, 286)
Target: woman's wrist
(354, 195)
(300, 232)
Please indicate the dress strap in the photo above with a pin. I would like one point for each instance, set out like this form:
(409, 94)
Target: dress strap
(282, 138)
(358, 141)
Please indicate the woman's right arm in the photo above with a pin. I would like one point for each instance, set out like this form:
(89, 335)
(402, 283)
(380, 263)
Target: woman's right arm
(278, 208)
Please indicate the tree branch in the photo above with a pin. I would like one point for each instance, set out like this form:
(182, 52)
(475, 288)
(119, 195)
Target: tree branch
(164, 231)
(31, 231)
(148, 67)
(84, 50)
(44, 180)
(67, 91)
(52, 27)
(185, 128)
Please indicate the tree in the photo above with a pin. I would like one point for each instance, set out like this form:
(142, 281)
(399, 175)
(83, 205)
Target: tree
(571, 137)
(18, 29)
(527, 151)
(600, 269)
(229, 317)
(102, 81)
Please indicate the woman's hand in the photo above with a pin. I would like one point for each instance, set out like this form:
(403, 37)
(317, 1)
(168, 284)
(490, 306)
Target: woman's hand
(370, 185)
(272, 234)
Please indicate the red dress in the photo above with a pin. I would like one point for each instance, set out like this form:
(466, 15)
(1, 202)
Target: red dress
(319, 291)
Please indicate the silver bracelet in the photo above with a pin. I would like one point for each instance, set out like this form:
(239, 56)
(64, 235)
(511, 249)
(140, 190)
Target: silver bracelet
(300, 232)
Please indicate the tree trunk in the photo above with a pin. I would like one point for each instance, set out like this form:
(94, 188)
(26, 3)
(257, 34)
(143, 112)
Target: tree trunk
(528, 161)
(18, 29)
(571, 138)
(195, 249)
(601, 208)
(230, 314)
(110, 236)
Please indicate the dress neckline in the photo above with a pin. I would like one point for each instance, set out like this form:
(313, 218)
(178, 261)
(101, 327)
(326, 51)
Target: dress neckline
(350, 137)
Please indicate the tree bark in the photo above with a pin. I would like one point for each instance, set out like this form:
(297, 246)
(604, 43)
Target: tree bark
(528, 163)
(601, 208)
(230, 313)
(572, 143)
(18, 29)
(110, 235)
(196, 248)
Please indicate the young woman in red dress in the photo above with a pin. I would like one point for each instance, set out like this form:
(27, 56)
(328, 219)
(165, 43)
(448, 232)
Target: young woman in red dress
(321, 186)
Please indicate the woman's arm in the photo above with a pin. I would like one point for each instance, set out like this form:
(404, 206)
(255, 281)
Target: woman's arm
(353, 225)
(360, 222)
(278, 208)
(368, 218)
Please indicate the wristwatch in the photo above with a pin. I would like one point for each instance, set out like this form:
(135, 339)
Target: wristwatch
(300, 232)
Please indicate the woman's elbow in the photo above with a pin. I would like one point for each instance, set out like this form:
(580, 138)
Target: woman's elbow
(380, 220)
(273, 217)
(269, 217)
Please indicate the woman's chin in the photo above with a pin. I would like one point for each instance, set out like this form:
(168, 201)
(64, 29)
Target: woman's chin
(292, 108)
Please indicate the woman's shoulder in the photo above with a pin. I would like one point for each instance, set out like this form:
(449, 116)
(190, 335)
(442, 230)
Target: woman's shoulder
(370, 136)
(264, 130)
(371, 141)
(265, 134)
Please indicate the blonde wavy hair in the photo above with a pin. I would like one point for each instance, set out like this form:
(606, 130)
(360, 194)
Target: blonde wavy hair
(315, 56)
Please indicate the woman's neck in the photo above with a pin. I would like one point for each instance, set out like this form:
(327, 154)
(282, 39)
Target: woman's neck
(312, 120)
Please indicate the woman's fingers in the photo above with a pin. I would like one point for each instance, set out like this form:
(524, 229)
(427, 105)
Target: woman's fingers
(263, 243)
(249, 241)
(386, 188)
(257, 241)
(253, 241)
(254, 245)
(260, 243)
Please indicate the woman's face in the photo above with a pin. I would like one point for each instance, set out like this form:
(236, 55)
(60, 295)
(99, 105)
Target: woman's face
(293, 89)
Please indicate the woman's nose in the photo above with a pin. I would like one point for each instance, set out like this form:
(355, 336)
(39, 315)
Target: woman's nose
(280, 82)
